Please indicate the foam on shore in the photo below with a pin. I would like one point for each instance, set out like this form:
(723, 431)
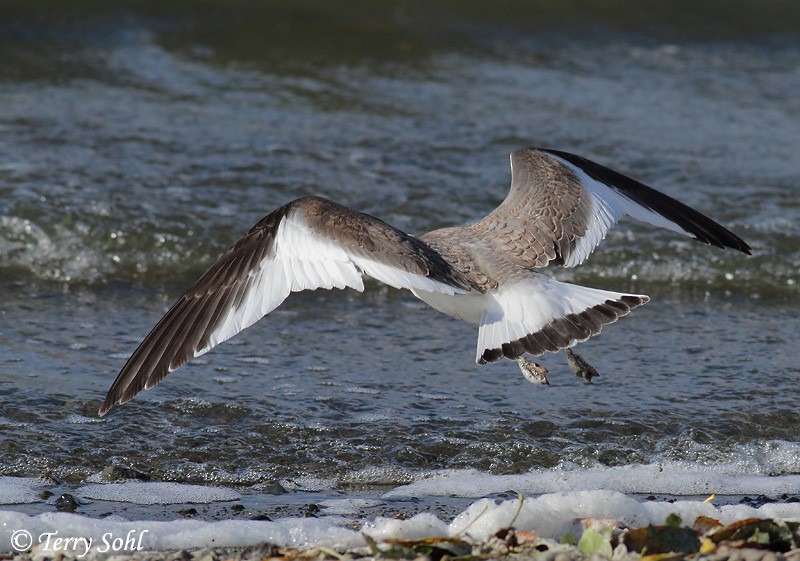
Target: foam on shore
(551, 515)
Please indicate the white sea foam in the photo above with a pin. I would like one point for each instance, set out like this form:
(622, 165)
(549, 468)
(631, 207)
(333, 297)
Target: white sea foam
(666, 478)
(177, 534)
(308, 483)
(379, 475)
(550, 515)
(564, 496)
(20, 490)
(156, 493)
(555, 514)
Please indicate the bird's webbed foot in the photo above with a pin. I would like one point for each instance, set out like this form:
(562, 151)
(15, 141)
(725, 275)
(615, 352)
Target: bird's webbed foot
(579, 366)
(535, 373)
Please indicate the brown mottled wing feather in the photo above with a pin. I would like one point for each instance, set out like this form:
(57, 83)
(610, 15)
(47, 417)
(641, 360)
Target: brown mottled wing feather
(561, 206)
(309, 243)
(544, 214)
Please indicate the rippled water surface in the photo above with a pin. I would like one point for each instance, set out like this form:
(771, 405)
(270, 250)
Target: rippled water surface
(138, 142)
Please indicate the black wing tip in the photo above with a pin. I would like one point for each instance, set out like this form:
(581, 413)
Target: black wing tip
(703, 228)
(111, 400)
(732, 241)
(117, 396)
(114, 398)
(738, 245)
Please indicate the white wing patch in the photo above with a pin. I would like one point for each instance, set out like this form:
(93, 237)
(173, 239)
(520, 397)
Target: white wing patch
(304, 260)
(608, 206)
(314, 261)
(311, 261)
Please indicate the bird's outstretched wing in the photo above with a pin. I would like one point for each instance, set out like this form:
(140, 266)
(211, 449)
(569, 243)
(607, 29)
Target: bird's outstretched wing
(307, 244)
(561, 206)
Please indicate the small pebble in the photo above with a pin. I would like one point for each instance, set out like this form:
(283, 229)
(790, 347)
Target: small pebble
(66, 503)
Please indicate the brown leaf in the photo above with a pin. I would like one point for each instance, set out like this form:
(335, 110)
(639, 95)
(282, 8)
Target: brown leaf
(757, 533)
(704, 524)
(662, 539)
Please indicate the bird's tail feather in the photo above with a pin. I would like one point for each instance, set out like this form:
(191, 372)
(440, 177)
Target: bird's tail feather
(538, 314)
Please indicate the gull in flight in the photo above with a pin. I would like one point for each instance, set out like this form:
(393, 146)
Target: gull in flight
(559, 208)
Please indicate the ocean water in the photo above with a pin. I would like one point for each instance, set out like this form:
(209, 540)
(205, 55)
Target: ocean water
(137, 142)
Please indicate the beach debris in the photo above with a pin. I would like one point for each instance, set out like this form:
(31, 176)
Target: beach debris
(596, 542)
(757, 533)
(662, 539)
(66, 503)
